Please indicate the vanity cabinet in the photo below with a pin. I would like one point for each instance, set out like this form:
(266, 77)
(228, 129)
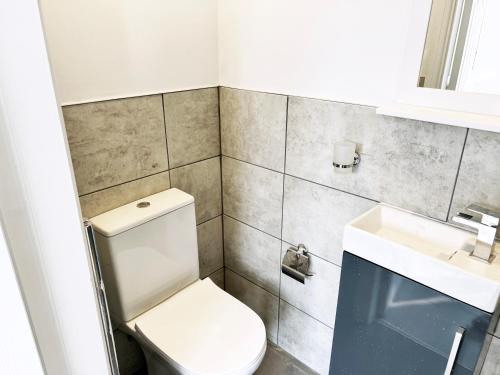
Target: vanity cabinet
(387, 324)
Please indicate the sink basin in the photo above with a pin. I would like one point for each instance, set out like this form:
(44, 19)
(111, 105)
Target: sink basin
(430, 252)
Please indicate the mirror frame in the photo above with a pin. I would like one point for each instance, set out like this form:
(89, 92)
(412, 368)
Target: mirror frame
(473, 110)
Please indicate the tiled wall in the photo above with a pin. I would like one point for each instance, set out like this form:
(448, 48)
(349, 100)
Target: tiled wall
(126, 149)
(279, 188)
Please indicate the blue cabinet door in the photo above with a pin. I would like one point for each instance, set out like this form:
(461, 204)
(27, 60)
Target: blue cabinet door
(387, 324)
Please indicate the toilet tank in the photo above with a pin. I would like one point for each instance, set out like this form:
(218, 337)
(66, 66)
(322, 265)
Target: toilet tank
(147, 250)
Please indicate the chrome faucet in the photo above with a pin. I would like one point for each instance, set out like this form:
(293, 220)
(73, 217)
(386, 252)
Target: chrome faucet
(487, 229)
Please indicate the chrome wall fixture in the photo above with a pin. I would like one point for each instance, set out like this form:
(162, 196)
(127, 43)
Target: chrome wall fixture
(345, 166)
(296, 263)
(345, 157)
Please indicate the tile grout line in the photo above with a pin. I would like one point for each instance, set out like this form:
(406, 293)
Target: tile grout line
(194, 162)
(214, 272)
(279, 299)
(282, 211)
(457, 174)
(301, 178)
(206, 221)
(251, 281)
(310, 316)
(221, 185)
(322, 185)
(149, 175)
(332, 188)
(166, 139)
(124, 183)
(251, 226)
(317, 256)
(277, 238)
(248, 162)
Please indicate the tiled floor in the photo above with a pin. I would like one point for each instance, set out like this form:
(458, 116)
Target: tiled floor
(279, 362)
(276, 362)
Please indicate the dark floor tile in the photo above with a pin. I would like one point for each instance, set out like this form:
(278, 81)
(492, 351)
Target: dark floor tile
(279, 362)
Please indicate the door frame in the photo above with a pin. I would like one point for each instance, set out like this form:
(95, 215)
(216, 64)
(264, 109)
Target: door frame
(39, 205)
(18, 350)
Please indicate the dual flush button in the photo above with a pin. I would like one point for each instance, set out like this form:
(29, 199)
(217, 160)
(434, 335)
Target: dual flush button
(143, 204)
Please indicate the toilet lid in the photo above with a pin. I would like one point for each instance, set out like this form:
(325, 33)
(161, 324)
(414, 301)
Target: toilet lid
(204, 330)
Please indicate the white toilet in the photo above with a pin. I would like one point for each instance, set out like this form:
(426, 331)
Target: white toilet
(149, 259)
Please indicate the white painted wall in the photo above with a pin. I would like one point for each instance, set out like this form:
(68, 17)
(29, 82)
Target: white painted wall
(38, 202)
(18, 351)
(345, 50)
(120, 48)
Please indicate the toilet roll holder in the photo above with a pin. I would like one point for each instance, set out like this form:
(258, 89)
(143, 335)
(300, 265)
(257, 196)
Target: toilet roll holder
(296, 263)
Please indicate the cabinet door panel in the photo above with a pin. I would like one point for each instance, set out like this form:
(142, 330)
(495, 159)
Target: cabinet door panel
(388, 324)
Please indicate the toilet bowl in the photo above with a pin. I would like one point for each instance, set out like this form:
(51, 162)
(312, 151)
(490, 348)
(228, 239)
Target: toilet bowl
(148, 254)
(200, 330)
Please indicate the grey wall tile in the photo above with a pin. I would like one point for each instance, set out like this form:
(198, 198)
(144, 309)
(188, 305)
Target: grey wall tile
(407, 163)
(218, 278)
(315, 215)
(116, 141)
(253, 254)
(492, 362)
(202, 180)
(104, 200)
(192, 122)
(253, 195)
(479, 175)
(307, 339)
(253, 127)
(210, 251)
(318, 296)
(263, 303)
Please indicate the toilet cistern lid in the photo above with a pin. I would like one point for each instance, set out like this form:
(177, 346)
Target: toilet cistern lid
(140, 211)
(204, 330)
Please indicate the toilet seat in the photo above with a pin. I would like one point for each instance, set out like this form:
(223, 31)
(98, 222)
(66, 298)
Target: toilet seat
(202, 330)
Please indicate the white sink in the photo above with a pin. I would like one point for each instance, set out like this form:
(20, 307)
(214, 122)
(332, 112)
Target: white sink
(430, 252)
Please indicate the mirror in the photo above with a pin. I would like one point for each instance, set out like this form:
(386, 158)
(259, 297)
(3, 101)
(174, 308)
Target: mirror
(462, 47)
